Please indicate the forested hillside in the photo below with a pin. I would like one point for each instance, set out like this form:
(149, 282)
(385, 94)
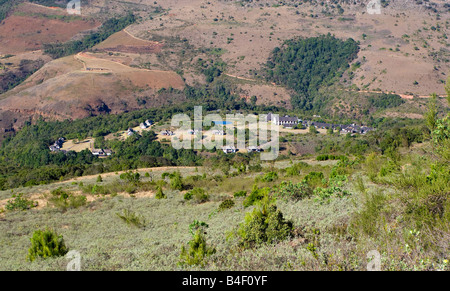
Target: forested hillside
(305, 65)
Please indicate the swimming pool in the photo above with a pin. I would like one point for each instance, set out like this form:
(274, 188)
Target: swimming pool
(222, 122)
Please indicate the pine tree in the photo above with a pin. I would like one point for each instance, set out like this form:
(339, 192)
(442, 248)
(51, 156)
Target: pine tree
(198, 250)
(46, 244)
(160, 194)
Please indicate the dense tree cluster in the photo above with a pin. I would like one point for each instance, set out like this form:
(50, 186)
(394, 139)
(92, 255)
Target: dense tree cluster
(305, 65)
(386, 101)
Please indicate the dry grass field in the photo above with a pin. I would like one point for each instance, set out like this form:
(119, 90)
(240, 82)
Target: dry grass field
(398, 47)
(404, 50)
(31, 26)
(78, 146)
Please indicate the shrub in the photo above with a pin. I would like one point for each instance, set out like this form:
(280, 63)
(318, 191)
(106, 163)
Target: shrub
(295, 169)
(255, 195)
(197, 194)
(270, 177)
(176, 182)
(218, 178)
(389, 168)
(19, 203)
(337, 180)
(372, 166)
(95, 189)
(323, 195)
(131, 218)
(198, 251)
(63, 200)
(255, 168)
(331, 157)
(99, 179)
(314, 179)
(160, 194)
(265, 224)
(77, 201)
(227, 204)
(131, 188)
(240, 194)
(288, 190)
(188, 196)
(339, 171)
(131, 177)
(46, 244)
(292, 171)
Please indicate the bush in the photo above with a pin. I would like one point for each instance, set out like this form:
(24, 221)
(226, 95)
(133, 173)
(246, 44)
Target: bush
(314, 179)
(227, 204)
(265, 224)
(270, 177)
(288, 190)
(389, 168)
(331, 157)
(131, 177)
(160, 194)
(64, 200)
(323, 195)
(197, 194)
(46, 244)
(255, 168)
(131, 188)
(19, 203)
(255, 196)
(295, 169)
(292, 171)
(176, 182)
(131, 218)
(94, 189)
(337, 180)
(198, 251)
(240, 194)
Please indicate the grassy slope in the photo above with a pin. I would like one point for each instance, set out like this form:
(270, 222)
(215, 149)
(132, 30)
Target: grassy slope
(107, 243)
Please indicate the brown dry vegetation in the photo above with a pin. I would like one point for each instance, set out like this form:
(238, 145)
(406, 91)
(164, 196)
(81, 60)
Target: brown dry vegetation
(255, 31)
(30, 26)
(403, 50)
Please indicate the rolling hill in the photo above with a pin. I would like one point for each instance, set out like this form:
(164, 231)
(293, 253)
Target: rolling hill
(404, 50)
